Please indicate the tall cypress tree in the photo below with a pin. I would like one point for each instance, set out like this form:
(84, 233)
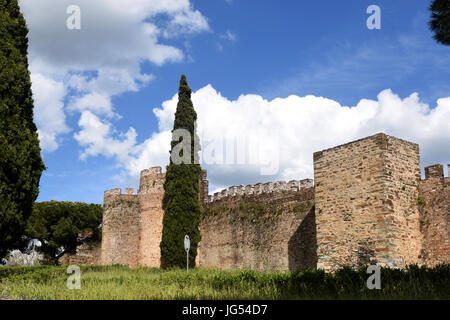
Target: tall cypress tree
(181, 198)
(20, 155)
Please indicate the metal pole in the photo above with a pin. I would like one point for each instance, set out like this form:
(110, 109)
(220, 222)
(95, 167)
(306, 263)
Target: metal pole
(187, 261)
(187, 244)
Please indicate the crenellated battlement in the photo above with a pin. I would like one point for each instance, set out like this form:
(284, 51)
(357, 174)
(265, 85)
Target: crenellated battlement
(150, 171)
(114, 195)
(113, 192)
(152, 181)
(435, 171)
(118, 192)
(260, 188)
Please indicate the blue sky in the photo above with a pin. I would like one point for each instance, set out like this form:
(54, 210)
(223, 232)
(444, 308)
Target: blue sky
(237, 54)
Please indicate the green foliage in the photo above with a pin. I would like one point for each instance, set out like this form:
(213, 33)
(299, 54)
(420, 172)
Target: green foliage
(20, 158)
(57, 226)
(120, 282)
(252, 210)
(421, 201)
(181, 198)
(440, 21)
(214, 211)
(252, 207)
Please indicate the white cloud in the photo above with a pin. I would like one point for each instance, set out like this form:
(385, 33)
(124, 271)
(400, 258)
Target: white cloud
(302, 126)
(48, 110)
(229, 35)
(113, 33)
(96, 137)
(337, 66)
(94, 102)
(101, 60)
(153, 152)
(189, 22)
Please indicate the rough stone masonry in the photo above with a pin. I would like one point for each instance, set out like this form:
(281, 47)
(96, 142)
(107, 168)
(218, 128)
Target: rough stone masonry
(367, 205)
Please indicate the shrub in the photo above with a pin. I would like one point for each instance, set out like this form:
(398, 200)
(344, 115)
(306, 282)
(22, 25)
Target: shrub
(18, 258)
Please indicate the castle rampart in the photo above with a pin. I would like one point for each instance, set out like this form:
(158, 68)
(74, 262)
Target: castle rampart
(367, 205)
(266, 226)
(264, 231)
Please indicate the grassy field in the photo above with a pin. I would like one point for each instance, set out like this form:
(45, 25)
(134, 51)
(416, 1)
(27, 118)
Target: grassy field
(119, 282)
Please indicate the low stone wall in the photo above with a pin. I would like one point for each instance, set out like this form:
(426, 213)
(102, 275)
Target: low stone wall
(270, 231)
(86, 255)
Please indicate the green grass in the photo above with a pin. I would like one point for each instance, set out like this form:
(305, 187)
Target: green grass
(119, 282)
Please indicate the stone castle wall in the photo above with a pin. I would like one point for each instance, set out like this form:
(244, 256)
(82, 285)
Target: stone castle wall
(366, 203)
(273, 230)
(277, 216)
(434, 207)
(368, 206)
(132, 223)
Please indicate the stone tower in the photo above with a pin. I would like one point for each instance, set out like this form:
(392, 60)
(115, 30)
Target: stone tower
(132, 223)
(120, 228)
(366, 203)
(151, 193)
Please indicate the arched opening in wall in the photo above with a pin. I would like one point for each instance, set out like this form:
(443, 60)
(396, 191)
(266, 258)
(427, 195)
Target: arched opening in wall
(302, 246)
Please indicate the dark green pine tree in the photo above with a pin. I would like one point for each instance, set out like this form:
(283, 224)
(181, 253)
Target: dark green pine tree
(181, 198)
(20, 155)
(440, 21)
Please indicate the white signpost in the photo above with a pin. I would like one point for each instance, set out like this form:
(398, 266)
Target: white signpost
(187, 245)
